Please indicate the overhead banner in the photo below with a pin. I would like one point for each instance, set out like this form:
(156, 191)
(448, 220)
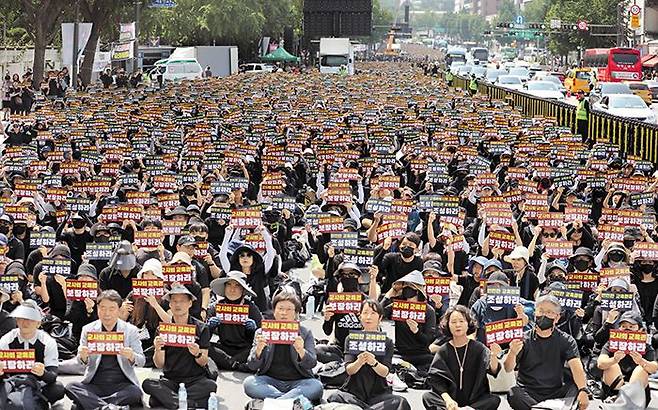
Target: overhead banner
(84, 31)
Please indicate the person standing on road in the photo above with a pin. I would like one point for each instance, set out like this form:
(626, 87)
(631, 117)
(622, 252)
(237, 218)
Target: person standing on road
(449, 77)
(582, 117)
(473, 85)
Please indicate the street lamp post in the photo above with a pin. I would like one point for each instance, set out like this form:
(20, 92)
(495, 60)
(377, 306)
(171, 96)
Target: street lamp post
(74, 60)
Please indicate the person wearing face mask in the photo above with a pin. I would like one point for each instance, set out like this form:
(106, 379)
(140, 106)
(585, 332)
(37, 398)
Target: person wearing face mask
(16, 250)
(231, 350)
(101, 234)
(540, 358)
(612, 255)
(210, 261)
(52, 288)
(340, 324)
(620, 368)
(76, 238)
(395, 265)
(159, 252)
(412, 339)
(571, 320)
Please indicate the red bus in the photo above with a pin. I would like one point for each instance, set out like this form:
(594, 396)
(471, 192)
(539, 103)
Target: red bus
(614, 64)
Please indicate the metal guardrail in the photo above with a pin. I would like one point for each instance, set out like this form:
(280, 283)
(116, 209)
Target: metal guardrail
(633, 137)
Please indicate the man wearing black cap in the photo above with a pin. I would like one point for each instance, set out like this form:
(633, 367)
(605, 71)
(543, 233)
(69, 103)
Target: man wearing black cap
(181, 364)
(76, 238)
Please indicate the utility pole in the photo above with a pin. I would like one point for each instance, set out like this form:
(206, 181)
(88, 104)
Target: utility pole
(138, 10)
(74, 61)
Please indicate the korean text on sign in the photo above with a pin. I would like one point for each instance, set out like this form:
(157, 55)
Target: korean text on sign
(617, 300)
(437, 286)
(503, 331)
(177, 272)
(569, 299)
(105, 342)
(177, 335)
(232, 314)
(148, 287)
(503, 295)
(627, 341)
(345, 302)
(81, 289)
(279, 331)
(373, 342)
(403, 310)
(17, 360)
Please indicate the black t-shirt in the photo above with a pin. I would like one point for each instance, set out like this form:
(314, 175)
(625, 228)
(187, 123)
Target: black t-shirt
(541, 360)
(180, 366)
(78, 244)
(393, 268)
(282, 367)
(627, 365)
(469, 284)
(111, 278)
(529, 284)
(109, 372)
(366, 384)
(648, 292)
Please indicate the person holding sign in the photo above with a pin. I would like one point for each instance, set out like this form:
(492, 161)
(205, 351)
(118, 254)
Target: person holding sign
(234, 318)
(368, 365)
(395, 265)
(632, 364)
(283, 370)
(540, 359)
(109, 377)
(82, 312)
(524, 274)
(181, 364)
(120, 271)
(415, 333)
(43, 372)
(458, 372)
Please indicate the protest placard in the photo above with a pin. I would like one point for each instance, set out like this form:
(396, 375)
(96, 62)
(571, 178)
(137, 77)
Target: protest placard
(359, 341)
(51, 266)
(17, 360)
(46, 239)
(230, 314)
(364, 257)
(628, 341)
(404, 310)
(558, 248)
(621, 301)
(502, 240)
(503, 331)
(148, 287)
(148, 239)
(176, 335)
(503, 295)
(105, 343)
(9, 283)
(77, 289)
(177, 272)
(345, 302)
(437, 286)
(99, 251)
(342, 240)
(280, 331)
(569, 299)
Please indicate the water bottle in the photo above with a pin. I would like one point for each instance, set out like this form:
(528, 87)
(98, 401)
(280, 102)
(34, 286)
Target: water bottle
(310, 307)
(212, 401)
(182, 397)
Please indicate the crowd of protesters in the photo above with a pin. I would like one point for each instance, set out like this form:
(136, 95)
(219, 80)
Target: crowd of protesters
(162, 228)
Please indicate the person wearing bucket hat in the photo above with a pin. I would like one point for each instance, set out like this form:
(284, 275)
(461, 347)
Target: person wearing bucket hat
(524, 274)
(121, 270)
(181, 364)
(246, 260)
(340, 324)
(232, 349)
(412, 338)
(109, 381)
(620, 368)
(582, 260)
(484, 313)
(27, 335)
(183, 258)
(615, 255)
(82, 312)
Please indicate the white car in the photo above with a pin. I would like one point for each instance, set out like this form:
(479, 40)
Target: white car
(256, 68)
(553, 79)
(626, 106)
(511, 82)
(455, 66)
(521, 72)
(543, 89)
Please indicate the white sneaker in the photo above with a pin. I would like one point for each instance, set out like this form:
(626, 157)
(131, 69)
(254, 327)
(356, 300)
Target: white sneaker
(394, 382)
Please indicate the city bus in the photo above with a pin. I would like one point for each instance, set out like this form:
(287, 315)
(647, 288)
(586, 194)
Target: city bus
(614, 64)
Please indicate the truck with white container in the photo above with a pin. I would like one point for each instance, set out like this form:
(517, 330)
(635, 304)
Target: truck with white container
(336, 54)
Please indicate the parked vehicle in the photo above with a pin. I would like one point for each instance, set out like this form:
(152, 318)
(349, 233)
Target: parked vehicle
(641, 90)
(626, 106)
(511, 82)
(543, 89)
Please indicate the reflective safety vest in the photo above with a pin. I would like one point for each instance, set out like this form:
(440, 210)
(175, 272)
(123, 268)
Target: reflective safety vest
(581, 112)
(473, 85)
(449, 76)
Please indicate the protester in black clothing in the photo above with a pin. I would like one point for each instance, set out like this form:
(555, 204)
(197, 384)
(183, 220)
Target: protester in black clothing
(120, 271)
(457, 376)
(645, 280)
(231, 351)
(16, 250)
(76, 237)
(181, 364)
(523, 274)
(7, 322)
(106, 78)
(366, 385)
(82, 312)
(395, 265)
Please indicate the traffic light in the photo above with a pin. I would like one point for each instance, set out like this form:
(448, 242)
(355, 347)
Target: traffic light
(504, 25)
(537, 26)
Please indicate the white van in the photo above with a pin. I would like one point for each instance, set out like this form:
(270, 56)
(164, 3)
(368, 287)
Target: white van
(175, 70)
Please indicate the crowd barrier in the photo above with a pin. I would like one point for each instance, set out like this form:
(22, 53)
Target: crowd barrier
(633, 137)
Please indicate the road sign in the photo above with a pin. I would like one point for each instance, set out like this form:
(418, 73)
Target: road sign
(635, 21)
(582, 25)
(162, 4)
(519, 20)
(556, 24)
(635, 10)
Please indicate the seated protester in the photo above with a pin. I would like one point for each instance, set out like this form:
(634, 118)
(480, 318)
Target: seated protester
(523, 273)
(121, 270)
(109, 379)
(621, 367)
(194, 288)
(284, 371)
(186, 365)
(490, 266)
(340, 324)
(147, 312)
(246, 260)
(395, 265)
(51, 289)
(82, 312)
(644, 278)
(540, 360)
(471, 281)
(457, 376)
(412, 339)
(100, 234)
(7, 323)
(366, 385)
(482, 313)
(433, 269)
(16, 250)
(44, 371)
(232, 349)
(210, 261)
(551, 272)
(604, 320)
(187, 245)
(23, 293)
(571, 320)
(145, 253)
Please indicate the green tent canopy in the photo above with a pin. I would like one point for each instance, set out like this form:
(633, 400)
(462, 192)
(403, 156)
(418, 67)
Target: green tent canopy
(280, 54)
